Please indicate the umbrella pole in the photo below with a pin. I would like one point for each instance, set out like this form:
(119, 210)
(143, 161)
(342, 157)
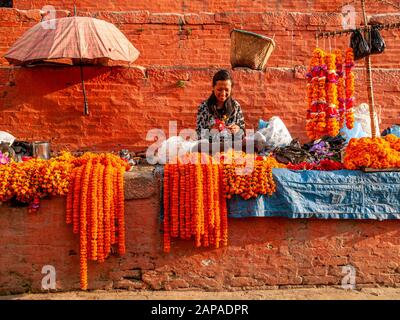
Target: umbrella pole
(369, 77)
(86, 108)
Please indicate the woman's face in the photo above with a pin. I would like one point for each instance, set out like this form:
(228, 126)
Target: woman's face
(222, 90)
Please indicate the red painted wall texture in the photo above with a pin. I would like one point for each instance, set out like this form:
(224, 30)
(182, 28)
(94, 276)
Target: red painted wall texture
(262, 253)
(179, 40)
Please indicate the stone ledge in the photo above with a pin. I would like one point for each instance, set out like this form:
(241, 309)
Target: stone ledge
(140, 183)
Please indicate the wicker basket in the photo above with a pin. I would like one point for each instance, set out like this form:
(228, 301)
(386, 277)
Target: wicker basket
(250, 49)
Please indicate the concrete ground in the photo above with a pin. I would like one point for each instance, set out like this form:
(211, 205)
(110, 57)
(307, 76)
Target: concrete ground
(278, 294)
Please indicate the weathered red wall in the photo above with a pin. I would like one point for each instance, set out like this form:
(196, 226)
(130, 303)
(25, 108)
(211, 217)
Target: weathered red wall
(178, 40)
(262, 253)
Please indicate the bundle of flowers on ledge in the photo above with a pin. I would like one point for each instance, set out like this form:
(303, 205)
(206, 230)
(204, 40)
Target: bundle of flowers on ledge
(247, 176)
(376, 153)
(30, 181)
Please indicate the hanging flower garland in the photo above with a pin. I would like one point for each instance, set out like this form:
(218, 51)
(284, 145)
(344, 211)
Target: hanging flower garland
(330, 95)
(194, 203)
(95, 207)
(350, 88)
(317, 96)
(340, 86)
(312, 94)
(332, 112)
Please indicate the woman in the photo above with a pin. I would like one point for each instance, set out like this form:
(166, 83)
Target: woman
(220, 110)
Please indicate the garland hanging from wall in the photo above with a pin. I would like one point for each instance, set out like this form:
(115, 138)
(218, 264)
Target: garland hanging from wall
(194, 202)
(95, 207)
(330, 93)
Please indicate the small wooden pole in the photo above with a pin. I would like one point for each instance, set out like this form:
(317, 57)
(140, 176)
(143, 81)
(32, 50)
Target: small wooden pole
(369, 76)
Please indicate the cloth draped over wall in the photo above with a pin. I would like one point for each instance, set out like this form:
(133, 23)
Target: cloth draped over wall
(342, 194)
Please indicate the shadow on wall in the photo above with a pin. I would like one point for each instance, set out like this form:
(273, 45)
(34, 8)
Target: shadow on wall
(34, 85)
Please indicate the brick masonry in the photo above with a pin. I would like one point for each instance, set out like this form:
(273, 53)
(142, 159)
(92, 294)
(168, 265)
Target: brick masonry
(262, 252)
(179, 40)
(185, 42)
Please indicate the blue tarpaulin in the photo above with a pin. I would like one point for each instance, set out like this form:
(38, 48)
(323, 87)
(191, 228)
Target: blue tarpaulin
(342, 194)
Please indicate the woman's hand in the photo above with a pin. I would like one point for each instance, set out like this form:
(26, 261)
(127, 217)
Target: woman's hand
(234, 128)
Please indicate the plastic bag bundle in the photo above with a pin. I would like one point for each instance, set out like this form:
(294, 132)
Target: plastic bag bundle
(274, 135)
(359, 45)
(377, 43)
(173, 147)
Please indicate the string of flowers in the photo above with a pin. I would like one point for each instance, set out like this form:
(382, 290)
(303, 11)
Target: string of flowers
(332, 112)
(340, 86)
(193, 208)
(330, 93)
(350, 80)
(96, 195)
(248, 178)
(317, 95)
(377, 153)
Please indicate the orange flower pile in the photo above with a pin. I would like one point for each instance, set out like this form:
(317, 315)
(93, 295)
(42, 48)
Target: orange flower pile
(194, 203)
(35, 179)
(95, 207)
(249, 177)
(377, 153)
(330, 95)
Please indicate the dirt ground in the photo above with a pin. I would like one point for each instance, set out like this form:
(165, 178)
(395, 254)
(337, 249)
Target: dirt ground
(279, 294)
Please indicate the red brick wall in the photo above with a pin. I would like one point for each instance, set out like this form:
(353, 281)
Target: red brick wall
(46, 103)
(262, 253)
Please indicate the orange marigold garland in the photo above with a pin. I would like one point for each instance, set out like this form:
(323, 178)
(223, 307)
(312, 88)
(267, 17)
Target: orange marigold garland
(340, 86)
(198, 184)
(257, 181)
(350, 80)
(98, 207)
(100, 222)
(83, 253)
(332, 112)
(167, 209)
(121, 211)
(88, 182)
(313, 92)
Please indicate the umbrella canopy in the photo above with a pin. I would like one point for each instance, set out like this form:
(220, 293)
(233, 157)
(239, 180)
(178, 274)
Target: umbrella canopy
(73, 40)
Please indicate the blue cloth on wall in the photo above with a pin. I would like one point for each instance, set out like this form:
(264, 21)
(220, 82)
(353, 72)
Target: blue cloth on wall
(343, 194)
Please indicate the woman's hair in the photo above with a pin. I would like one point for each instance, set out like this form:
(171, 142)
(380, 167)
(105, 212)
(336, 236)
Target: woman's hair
(222, 75)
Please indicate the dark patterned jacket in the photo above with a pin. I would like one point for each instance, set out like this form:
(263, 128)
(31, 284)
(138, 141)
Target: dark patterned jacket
(205, 120)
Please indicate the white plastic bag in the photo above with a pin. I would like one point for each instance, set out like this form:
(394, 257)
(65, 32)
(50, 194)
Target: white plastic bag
(173, 147)
(169, 149)
(276, 134)
(361, 115)
(6, 137)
